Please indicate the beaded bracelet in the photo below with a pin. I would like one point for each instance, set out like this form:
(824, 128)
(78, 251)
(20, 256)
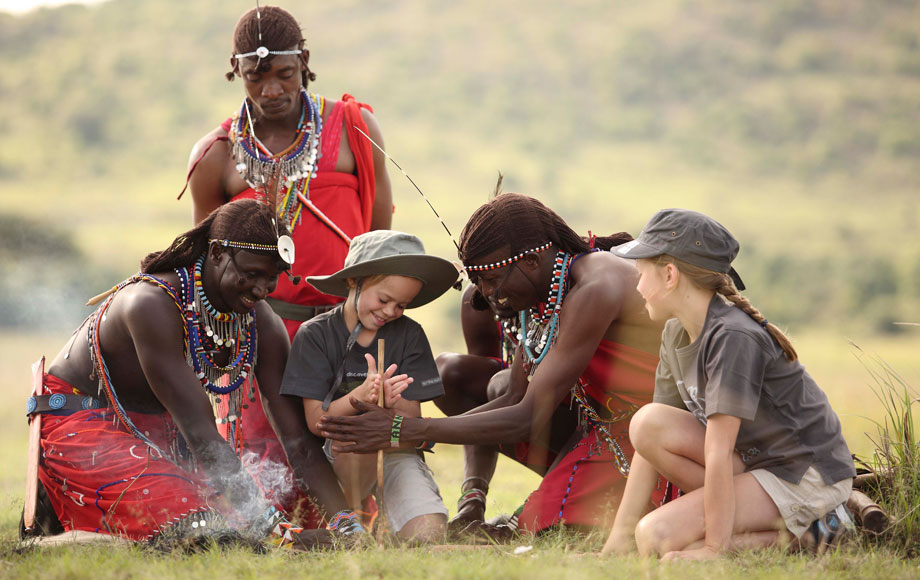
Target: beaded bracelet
(345, 522)
(425, 445)
(472, 494)
(394, 431)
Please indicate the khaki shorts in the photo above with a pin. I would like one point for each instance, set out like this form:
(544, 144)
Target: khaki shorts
(409, 487)
(801, 504)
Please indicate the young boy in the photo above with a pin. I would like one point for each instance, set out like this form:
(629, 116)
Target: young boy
(333, 355)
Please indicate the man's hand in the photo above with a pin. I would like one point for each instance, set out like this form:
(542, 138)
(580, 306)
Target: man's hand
(366, 432)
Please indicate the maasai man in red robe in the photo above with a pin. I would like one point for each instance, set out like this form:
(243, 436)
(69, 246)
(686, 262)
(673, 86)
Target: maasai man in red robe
(586, 341)
(334, 182)
(335, 185)
(131, 406)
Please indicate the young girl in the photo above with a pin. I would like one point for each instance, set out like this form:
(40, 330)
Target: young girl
(333, 355)
(737, 423)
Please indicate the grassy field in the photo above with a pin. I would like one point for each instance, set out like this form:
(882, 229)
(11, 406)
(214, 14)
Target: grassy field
(832, 359)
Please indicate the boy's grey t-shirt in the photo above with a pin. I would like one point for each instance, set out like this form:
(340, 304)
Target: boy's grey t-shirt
(736, 368)
(319, 346)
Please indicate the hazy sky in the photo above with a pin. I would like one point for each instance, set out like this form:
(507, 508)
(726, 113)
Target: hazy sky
(25, 5)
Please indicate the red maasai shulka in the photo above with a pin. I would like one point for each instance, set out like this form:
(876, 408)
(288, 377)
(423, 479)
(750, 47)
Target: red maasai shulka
(101, 478)
(585, 485)
(129, 474)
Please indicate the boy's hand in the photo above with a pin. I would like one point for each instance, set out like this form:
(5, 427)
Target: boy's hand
(393, 386)
(368, 390)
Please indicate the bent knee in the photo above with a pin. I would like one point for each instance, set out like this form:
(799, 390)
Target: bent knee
(426, 528)
(654, 536)
(649, 424)
(449, 368)
(498, 384)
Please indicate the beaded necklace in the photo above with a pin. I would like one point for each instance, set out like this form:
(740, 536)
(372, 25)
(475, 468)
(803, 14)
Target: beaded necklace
(230, 377)
(218, 327)
(542, 327)
(235, 332)
(298, 161)
(510, 338)
(101, 369)
(587, 415)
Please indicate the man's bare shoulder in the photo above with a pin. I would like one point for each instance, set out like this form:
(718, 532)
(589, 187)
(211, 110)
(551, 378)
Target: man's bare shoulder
(213, 146)
(145, 301)
(271, 328)
(601, 271)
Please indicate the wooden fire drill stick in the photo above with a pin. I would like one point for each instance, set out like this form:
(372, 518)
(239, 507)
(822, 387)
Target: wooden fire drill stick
(381, 509)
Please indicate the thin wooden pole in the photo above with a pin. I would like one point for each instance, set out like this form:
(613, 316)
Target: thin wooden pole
(381, 508)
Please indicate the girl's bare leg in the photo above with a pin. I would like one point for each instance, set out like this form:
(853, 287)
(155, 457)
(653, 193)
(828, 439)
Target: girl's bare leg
(680, 524)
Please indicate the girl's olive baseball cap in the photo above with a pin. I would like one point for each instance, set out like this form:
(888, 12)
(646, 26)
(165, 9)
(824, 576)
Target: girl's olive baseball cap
(689, 236)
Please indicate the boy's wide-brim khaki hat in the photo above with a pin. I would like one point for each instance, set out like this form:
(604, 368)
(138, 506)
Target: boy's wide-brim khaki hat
(390, 253)
(686, 235)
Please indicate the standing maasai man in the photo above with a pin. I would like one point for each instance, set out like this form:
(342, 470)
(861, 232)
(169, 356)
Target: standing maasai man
(586, 337)
(132, 404)
(334, 183)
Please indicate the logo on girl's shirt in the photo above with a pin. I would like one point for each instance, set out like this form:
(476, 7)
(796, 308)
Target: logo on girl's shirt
(694, 403)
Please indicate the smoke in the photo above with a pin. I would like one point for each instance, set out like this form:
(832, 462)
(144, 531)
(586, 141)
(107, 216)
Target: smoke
(274, 478)
(253, 485)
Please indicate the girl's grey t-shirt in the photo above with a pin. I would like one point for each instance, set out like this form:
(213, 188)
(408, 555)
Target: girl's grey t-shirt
(736, 368)
(319, 346)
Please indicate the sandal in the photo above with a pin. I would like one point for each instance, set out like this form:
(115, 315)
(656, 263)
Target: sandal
(830, 530)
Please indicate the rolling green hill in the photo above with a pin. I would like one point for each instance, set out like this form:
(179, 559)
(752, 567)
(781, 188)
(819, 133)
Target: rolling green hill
(793, 122)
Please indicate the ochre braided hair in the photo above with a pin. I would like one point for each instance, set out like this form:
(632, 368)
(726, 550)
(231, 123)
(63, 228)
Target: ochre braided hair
(723, 285)
(517, 223)
(280, 31)
(244, 220)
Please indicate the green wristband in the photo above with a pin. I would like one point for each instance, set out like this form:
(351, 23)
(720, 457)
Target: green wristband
(394, 431)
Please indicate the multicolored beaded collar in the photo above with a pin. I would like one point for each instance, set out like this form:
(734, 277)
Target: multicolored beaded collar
(507, 261)
(542, 326)
(256, 164)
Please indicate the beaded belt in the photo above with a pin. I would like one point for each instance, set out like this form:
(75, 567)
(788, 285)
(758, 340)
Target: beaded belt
(61, 402)
(297, 311)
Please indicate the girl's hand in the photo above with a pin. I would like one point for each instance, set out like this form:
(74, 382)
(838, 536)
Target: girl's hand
(621, 542)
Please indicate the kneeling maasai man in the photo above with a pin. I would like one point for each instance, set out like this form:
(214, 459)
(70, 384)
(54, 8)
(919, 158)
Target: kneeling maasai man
(141, 435)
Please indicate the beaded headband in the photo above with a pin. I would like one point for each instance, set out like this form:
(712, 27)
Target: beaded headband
(262, 52)
(284, 247)
(507, 261)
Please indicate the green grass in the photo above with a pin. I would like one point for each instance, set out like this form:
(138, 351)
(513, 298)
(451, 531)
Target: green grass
(829, 357)
(558, 557)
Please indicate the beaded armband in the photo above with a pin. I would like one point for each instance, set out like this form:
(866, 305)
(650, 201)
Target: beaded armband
(394, 431)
